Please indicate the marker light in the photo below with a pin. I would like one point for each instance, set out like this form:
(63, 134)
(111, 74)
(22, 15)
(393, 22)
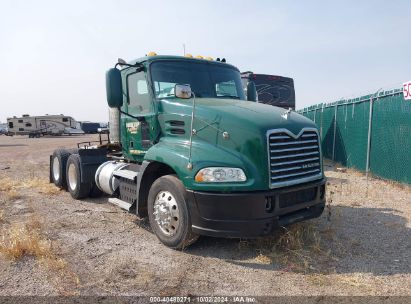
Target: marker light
(188, 55)
(199, 57)
(220, 175)
(152, 54)
(209, 58)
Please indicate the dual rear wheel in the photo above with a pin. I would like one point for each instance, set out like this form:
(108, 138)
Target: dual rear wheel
(66, 174)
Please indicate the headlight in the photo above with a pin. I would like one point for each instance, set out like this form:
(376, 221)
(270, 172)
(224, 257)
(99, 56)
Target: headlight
(220, 175)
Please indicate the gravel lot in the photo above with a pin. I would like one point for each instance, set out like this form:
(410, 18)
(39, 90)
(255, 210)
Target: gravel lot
(361, 245)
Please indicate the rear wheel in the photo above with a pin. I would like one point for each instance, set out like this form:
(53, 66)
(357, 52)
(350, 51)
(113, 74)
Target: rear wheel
(168, 213)
(75, 186)
(58, 167)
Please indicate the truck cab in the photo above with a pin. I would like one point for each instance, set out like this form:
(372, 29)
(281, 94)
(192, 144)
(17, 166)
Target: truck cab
(189, 150)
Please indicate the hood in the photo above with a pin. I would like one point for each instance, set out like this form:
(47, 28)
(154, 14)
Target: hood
(243, 114)
(228, 133)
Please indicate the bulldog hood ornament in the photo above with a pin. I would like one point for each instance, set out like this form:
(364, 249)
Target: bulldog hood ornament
(286, 114)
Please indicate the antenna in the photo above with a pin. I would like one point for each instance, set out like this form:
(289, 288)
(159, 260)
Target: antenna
(184, 49)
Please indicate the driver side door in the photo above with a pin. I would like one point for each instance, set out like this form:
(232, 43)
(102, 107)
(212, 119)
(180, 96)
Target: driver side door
(138, 134)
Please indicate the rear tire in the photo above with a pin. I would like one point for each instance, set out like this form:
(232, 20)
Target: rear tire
(58, 167)
(168, 213)
(75, 186)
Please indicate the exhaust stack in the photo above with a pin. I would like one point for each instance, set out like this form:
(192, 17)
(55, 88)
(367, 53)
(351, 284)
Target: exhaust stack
(114, 118)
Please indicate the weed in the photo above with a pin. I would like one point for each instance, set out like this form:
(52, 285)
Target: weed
(7, 184)
(297, 248)
(42, 185)
(8, 188)
(319, 279)
(26, 239)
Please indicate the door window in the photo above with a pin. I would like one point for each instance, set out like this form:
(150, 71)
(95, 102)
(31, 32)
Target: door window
(138, 97)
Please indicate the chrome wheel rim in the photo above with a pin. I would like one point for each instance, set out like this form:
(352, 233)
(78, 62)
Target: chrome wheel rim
(72, 177)
(56, 168)
(166, 213)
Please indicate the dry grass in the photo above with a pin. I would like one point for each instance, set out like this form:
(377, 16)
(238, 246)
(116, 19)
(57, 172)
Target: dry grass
(26, 239)
(42, 185)
(359, 281)
(7, 184)
(8, 187)
(319, 279)
(299, 248)
(11, 188)
(371, 189)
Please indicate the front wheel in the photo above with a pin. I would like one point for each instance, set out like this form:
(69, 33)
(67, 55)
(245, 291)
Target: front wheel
(168, 213)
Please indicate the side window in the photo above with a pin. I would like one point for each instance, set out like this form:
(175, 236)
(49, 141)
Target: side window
(10, 124)
(138, 96)
(20, 120)
(28, 124)
(227, 88)
(65, 119)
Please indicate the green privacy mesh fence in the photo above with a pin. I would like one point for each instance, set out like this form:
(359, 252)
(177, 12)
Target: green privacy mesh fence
(344, 128)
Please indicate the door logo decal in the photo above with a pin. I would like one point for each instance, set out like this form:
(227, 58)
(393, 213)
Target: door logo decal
(132, 127)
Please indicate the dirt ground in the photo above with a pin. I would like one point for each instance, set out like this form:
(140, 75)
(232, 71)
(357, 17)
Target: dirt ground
(361, 245)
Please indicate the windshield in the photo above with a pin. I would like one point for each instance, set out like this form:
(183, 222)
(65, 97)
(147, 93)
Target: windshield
(206, 80)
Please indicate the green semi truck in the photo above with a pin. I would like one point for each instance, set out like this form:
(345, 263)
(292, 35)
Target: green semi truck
(189, 150)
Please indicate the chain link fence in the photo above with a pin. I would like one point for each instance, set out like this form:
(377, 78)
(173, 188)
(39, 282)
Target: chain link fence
(371, 133)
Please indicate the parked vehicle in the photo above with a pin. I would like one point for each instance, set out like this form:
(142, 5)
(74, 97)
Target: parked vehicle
(191, 152)
(90, 127)
(3, 129)
(272, 89)
(36, 126)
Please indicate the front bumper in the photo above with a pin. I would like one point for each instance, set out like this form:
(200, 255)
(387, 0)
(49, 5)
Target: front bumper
(253, 214)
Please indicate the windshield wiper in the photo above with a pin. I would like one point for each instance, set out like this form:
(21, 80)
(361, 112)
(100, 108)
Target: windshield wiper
(228, 96)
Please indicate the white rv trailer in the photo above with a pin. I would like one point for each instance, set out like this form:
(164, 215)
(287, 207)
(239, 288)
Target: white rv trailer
(35, 126)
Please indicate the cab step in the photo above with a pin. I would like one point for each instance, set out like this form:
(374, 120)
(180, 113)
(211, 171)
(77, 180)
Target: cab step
(127, 174)
(122, 204)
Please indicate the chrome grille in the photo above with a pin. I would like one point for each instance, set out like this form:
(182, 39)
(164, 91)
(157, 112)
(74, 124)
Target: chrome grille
(293, 159)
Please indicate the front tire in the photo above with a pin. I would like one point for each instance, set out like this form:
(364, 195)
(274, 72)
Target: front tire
(168, 213)
(75, 186)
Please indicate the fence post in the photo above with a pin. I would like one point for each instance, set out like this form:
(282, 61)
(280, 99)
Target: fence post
(321, 126)
(335, 128)
(367, 165)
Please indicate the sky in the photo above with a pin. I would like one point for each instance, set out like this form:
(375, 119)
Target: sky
(54, 54)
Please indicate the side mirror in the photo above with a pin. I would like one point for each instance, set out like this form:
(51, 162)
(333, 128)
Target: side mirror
(182, 91)
(251, 91)
(114, 88)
